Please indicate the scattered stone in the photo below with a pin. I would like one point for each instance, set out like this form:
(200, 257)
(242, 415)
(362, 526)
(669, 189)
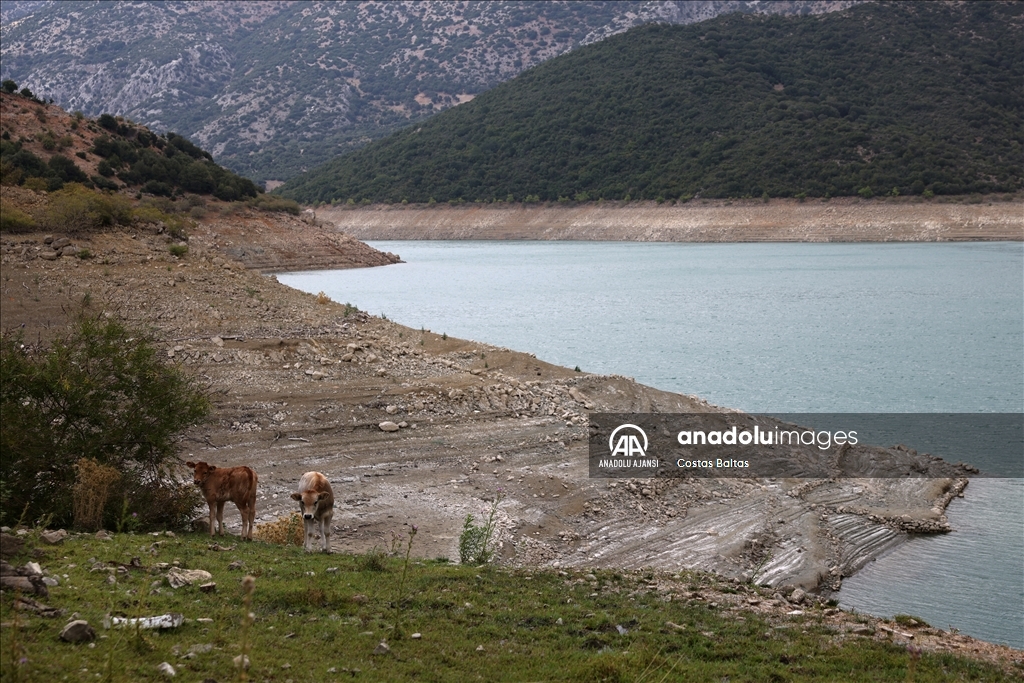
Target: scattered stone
(382, 648)
(54, 537)
(30, 605)
(208, 587)
(164, 621)
(241, 662)
(10, 545)
(25, 584)
(237, 564)
(388, 426)
(479, 648)
(863, 631)
(797, 596)
(103, 535)
(674, 626)
(416, 636)
(186, 577)
(165, 669)
(78, 631)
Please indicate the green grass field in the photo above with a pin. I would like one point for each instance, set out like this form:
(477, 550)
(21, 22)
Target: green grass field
(321, 617)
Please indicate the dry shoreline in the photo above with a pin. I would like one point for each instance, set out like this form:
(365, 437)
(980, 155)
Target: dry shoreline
(303, 383)
(781, 220)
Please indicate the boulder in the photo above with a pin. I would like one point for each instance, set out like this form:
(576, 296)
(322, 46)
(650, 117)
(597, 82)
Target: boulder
(54, 537)
(388, 426)
(78, 631)
(186, 577)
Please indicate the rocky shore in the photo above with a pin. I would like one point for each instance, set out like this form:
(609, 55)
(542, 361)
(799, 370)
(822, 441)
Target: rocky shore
(779, 220)
(302, 382)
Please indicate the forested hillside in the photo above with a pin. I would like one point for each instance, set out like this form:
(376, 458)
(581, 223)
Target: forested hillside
(43, 147)
(907, 98)
(275, 87)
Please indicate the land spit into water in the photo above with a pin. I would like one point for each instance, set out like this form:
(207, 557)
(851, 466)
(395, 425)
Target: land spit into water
(417, 428)
(838, 220)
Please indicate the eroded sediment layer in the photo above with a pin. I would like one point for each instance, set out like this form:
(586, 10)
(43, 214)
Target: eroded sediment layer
(838, 220)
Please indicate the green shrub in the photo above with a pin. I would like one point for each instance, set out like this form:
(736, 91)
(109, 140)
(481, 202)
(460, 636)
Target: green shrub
(74, 208)
(15, 220)
(101, 391)
(475, 539)
(271, 202)
(178, 250)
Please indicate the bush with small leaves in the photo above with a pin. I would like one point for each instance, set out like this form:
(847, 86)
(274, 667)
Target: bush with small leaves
(101, 390)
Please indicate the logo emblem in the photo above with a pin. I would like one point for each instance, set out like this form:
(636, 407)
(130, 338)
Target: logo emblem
(628, 443)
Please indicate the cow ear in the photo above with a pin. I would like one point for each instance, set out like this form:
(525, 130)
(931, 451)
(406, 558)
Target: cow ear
(190, 464)
(321, 495)
(296, 496)
(213, 467)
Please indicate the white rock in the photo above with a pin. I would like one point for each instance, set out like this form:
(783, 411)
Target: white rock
(388, 426)
(185, 577)
(166, 669)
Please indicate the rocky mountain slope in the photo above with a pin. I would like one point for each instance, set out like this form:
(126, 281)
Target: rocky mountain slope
(273, 88)
(890, 98)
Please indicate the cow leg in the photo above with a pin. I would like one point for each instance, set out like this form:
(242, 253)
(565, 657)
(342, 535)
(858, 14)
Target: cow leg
(243, 512)
(251, 512)
(220, 517)
(310, 527)
(325, 530)
(213, 517)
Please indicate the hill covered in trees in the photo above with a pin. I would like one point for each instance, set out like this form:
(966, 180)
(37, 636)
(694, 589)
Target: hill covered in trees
(43, 147)
(275, 88)
(908, 98)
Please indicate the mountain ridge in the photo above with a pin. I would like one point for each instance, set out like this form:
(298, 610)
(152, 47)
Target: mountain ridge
(895, 98)
(272, 88)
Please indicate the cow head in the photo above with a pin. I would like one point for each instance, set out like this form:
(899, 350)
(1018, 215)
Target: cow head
(202, 471)
(309, 501)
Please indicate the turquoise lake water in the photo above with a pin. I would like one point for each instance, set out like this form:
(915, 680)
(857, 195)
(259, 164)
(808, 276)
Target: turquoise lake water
(869, 328)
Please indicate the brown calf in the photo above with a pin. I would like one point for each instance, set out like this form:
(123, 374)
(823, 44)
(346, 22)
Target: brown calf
(316, 503)
(221, 484)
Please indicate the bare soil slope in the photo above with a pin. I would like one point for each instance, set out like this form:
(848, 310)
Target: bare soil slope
(779, 220)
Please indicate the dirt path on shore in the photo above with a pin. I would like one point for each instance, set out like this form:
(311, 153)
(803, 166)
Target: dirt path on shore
(302, 383)
(780, 220)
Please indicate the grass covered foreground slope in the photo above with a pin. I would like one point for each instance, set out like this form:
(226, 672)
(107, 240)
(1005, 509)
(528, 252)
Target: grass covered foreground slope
(375, 617)
(912, 98)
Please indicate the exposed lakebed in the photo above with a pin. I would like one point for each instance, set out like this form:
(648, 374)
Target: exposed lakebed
(771, 327)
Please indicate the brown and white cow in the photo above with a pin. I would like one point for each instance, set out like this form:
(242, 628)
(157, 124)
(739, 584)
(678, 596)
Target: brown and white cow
(316, 503)
(222, 484)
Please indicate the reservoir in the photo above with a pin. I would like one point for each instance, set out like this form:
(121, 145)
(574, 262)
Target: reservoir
(777, 328)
